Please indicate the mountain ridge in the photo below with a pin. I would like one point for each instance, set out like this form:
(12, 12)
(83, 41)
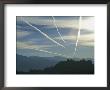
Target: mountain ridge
(24, 63)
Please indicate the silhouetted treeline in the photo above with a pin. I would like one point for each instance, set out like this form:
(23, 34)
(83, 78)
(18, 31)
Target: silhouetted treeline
(66, 67)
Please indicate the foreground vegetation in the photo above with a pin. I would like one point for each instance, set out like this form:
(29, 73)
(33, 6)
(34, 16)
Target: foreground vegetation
(65, 67)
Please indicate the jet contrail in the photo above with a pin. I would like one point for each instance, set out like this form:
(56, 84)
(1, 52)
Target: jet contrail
(36, 29)
(52, 53)
(78, 35)
(41, 50)
(57, 29)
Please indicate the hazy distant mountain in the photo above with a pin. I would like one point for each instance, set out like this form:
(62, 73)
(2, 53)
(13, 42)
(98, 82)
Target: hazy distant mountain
(24, 63)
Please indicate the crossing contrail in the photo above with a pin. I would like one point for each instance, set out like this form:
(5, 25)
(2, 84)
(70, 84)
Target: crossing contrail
(57, 29)
(36, 29)
(78, 35)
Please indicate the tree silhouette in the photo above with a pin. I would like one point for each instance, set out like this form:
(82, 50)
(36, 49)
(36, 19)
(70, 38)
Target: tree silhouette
(66, 67)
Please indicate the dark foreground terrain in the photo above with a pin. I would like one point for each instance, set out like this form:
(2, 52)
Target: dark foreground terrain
(69, 66)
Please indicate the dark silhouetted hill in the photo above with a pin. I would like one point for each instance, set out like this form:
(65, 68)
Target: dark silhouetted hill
(69, 66)
(24, 63)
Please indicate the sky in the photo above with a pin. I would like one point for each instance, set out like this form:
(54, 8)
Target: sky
(48, 36)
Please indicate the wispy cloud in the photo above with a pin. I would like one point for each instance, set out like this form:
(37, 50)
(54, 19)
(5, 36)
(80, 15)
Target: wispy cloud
(40, 48)
(72, 22)
(22, 33)
(30, 38)
(87, 43)
(88, 38)
(30, 45)
(44, 34)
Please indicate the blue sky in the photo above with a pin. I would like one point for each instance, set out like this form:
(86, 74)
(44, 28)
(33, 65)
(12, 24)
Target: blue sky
(31, 42)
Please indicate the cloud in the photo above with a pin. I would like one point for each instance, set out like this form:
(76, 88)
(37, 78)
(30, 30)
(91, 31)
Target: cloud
(88, 24)
(22, 33)
(68, 27)
(44, 34)
(65, 22)
(30, 45)
(86, 39)
(87, 43)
